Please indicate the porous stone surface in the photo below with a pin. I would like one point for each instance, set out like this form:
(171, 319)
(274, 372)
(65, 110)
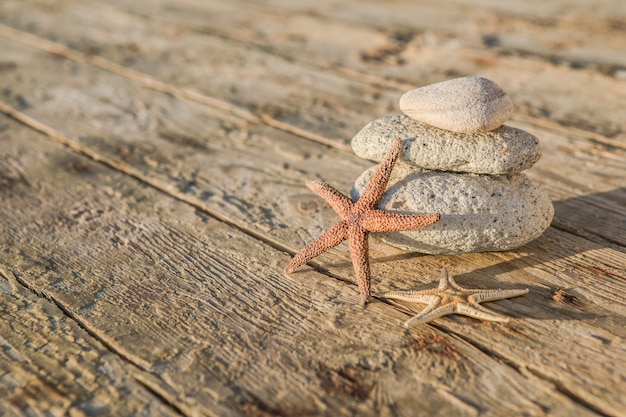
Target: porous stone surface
(464, 105)
(478, 212)
(505, 150)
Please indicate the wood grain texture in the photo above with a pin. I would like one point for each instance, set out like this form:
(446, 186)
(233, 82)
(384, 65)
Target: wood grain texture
(573, 183)
(604, 191)
(192, 274)
(50, 366)
(287, 161)
(234, 39)
(541, 56)
(154, 164)
(171, 290)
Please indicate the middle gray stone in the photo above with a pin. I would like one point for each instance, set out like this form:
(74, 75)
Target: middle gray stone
(505, 150)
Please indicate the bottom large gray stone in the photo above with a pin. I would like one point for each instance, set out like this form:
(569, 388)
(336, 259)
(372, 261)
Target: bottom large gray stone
(478, 212)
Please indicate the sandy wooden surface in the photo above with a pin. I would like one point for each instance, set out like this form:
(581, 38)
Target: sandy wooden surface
(152, 164)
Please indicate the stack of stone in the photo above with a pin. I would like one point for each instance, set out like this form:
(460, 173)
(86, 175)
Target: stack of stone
(459, 160)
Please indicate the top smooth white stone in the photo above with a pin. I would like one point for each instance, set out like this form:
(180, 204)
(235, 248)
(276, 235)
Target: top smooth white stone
(463, 105)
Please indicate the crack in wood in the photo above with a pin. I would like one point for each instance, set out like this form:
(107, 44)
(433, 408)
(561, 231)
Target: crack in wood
(568, 393)
(257, 403)
(158, 393)
(558, 385)
(130, 171)
(154, 84)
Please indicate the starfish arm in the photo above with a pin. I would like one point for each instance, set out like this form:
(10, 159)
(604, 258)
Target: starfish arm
(447, 281)
(357, 238)
(430, 313)
(387, 221)
(339, 202)
(378, 183)
(411, 296)
(494, 295)
(396, 304)
(479, 312)
(332, 237)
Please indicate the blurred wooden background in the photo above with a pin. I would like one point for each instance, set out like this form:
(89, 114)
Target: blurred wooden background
(152, 165)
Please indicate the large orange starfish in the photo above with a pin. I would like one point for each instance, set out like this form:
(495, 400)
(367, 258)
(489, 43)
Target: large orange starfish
(358, 219)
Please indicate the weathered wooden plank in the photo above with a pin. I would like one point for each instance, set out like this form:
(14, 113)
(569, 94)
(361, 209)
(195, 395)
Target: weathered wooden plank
(49, 366)
(214, 164)
(574, 33)
(412, 44)
(257, 83)
(173, 290)
(375, 37)
(275, 87)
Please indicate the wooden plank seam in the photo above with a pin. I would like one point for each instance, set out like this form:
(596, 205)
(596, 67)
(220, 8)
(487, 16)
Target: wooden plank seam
(154, 84)
(140, 372)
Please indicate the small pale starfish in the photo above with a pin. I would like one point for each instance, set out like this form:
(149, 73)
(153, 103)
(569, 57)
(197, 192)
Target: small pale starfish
(450, 298)
(358, 219)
